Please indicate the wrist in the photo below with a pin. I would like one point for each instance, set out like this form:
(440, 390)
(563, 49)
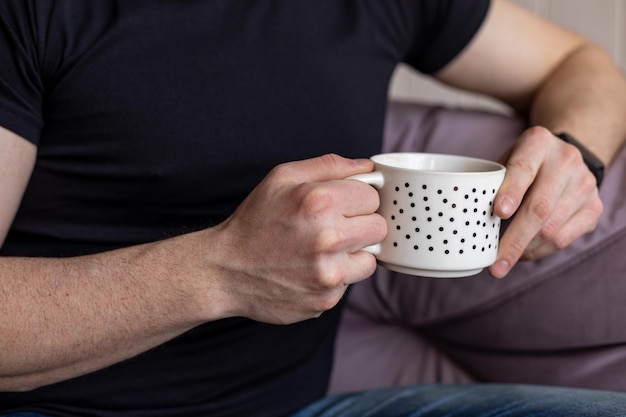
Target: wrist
(208, 276)
(595, 165)
(184, 270)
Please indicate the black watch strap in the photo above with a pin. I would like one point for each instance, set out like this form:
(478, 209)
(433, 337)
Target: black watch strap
(594, 163)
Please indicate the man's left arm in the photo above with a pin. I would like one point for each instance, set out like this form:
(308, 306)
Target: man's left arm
(563, 83)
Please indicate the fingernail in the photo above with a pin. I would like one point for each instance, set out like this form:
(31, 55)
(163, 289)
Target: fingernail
(500, 269)
(507, 206)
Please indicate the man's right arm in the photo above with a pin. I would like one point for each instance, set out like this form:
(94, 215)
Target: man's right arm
(64, 317)
(61, 318)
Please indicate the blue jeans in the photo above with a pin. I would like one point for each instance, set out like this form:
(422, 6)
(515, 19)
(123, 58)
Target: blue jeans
(479, 400)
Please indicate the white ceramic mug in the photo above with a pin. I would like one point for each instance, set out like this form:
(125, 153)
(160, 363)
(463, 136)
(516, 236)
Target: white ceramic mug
(439, 210)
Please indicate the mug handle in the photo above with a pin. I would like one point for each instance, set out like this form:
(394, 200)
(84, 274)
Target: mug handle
(376, 180)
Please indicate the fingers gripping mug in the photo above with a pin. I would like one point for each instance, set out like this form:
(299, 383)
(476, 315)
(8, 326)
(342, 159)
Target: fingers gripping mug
(439, 211)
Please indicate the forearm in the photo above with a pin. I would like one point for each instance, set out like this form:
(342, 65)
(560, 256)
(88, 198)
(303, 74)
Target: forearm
(273, 261)
(585, 96)
(67, 317)
(555, 77)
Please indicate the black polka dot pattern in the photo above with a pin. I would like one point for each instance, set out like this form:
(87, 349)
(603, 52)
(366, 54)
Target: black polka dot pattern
(451, 221)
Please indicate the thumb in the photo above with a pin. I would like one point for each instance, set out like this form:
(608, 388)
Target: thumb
(324, 168)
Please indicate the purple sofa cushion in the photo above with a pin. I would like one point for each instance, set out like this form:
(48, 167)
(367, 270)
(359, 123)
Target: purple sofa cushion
(556, 321)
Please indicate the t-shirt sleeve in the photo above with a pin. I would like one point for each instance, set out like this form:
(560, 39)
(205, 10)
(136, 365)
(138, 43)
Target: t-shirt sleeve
(446, 28)
(21, 87)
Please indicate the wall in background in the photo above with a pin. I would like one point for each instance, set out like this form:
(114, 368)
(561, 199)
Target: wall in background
(603, 21)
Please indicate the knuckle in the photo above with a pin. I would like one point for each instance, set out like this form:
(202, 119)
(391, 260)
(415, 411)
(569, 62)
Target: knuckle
(571, 155)
(540, 208)
(512, 248)
(530, 255)
(538, 134)
(331, 159)
(368, 196)
(557, 239)
(315, 199)
(549, 232)
(561, 241)
(513, 245)
(522, 168)
(589, 181)
(326, 240)
(522, 165)
(536, 137)
(382, 228)
(331, 278)
(370, 266)
(283, 171)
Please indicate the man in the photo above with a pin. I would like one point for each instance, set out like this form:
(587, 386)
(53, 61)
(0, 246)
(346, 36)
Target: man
(152, 265)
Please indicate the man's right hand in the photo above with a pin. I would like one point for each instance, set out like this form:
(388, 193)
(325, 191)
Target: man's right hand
(294, 245)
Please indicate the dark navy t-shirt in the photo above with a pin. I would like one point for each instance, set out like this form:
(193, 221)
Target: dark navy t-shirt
(156, 118)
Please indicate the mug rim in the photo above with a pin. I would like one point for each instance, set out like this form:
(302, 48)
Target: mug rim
(490, 166)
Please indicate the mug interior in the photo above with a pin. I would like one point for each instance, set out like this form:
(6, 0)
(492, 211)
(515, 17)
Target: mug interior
(417, 161)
